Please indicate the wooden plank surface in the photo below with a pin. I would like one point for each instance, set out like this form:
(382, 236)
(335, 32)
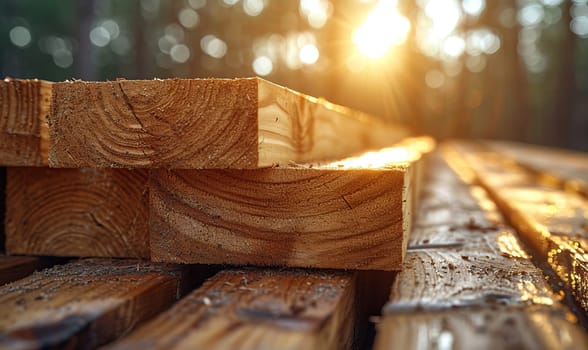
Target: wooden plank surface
(257, 309)
(84, 304)
(16, 267)
(551, 220)
(468, 282)
(568, 169)
(342, 215)
(202, 123)
(497, 328)
(77, 212)
(24, 137)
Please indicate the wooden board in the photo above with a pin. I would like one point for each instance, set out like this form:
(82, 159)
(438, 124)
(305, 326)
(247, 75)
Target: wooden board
(551, 220)
(77, 212)
(445, 277)
(568, 169)
(203, 123)
(341, 215)
(468, 282)
(257, 309)
(16, 267)
(24, 136)
(84, 304)
(496, 328)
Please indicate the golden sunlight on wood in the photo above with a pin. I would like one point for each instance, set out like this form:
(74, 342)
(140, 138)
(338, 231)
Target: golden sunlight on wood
(404, 152)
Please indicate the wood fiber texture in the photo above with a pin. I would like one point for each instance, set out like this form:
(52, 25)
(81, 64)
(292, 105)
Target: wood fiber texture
(257, 309)
(177, 123)
(77, 212)
(24, 136)
(551, 220)
(203, 124)
(84, 304)
(467, 281)
(279, 216)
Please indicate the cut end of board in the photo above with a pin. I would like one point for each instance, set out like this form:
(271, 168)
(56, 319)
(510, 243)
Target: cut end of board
(24, 106)
(172, 123)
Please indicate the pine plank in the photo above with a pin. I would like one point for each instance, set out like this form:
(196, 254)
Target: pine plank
(13, 268)
(441, 278)
(341, 215)
(24, 136)
(551, 220)
(568, 169)
(84, 304)
(470, 285)
(498, 328)
(203, 123)
(257, 309)
(77, 212)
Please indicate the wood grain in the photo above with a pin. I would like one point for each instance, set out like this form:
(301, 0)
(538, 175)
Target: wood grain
(24, 136)
(176, 123)
(202, 123)
(467, 282)
(565, 168)
(77, 212)
(445, 278)
(13, 268)
(483, 328)
(84, 304)
(349, 214)
(551, 221)
(257, 309)
(290, 217)
(297, 127)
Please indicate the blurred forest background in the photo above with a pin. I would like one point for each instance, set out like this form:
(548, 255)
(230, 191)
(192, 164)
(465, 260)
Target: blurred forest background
(508, 69)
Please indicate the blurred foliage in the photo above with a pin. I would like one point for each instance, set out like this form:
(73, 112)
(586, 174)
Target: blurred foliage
(452, 68)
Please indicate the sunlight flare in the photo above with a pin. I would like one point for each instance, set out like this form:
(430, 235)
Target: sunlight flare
(383, 28)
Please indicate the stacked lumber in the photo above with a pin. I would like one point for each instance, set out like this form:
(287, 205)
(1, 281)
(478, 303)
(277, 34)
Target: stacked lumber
(551, 220)
(237, 171)
(197, 171)
(124, 304)
(86, 303)
(257, 309)
(467, 283)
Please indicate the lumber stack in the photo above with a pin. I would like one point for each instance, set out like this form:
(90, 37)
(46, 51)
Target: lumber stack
(214, 171)
(257, 309)
(550, 216)
(467, 282)
(86, 303)
(197, 171)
